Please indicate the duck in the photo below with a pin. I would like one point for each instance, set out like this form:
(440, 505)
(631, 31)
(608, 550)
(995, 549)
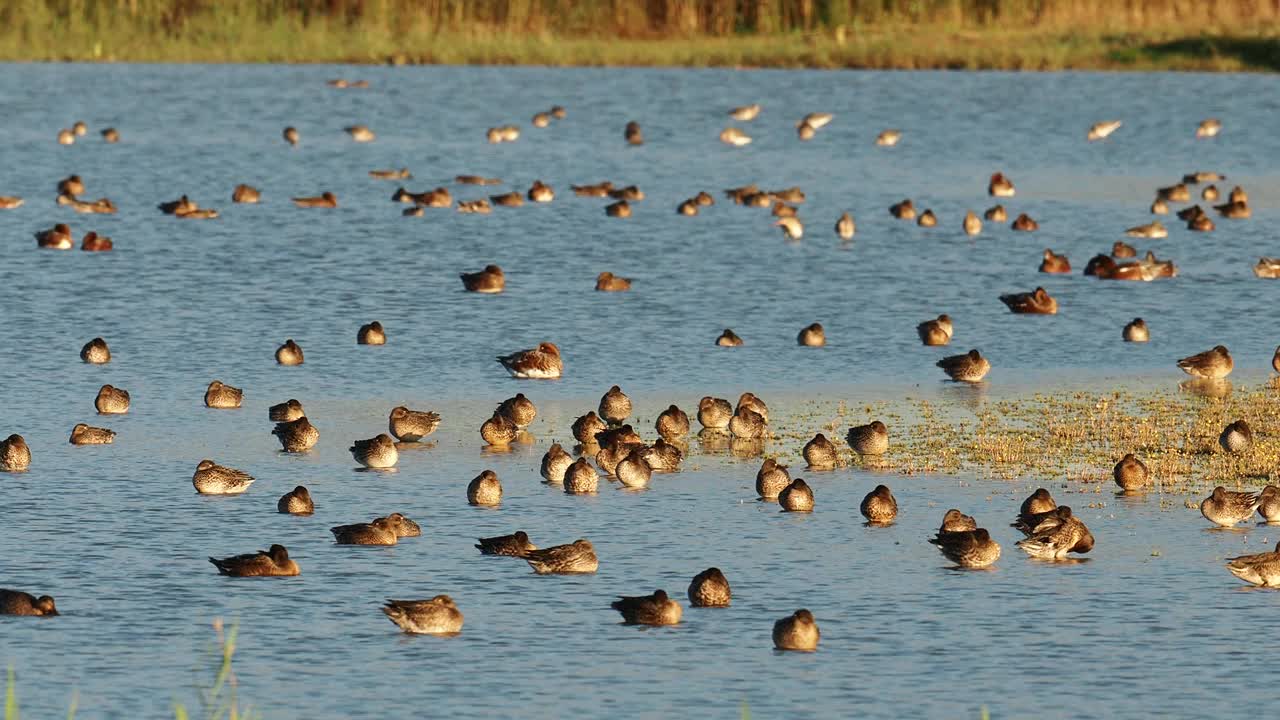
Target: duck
(540, 192)
(655, 609)
(996, 213)
(608, 282)
(904, 210)
(672, 423)
(745, 113)
(1159, 207)
(879, 506)
(1033, 523)
(110, 135)
(1261, 569)
(1268, 268)
(620, 209)
(747, 424)
(511, 199)
(83, 434)
(1174, 193)
(490, 280)
(661, 456)
(95, 352)
(541, 119)
(1227, 508)
(729, 338)
(554, 464)
(380, 531)
(630, 193)
(542, 362)
(956, 521)
(927, 219)
(16, 602)
(1054, 263)
(580, 478)
(973, 549)
(1070, 536)
(324, 200)
(520, 410)
(812, 336)
(771, 479)
(1201, 223)
(805, 131)
(796, 497)
(291, 136)
(437, 616)
(1100, 130)
(1104, 268)
(290, 353)
(1039, 501)
(296, 502)
(612, 453)
(1154, 229)
(576, 557)
(476, 180)
(1238, 195)
(1000, 186)
(970, 367)
(1209, 194)
(615, 406)
(1234, 210)
(845, 227)
(797, 632)
(1236, 437)
(274, 562)
(710, 589)
(1153, 269)
(400, 174)
(792, 228)
(632, 470)
(71, 185)
(1121, 249)
(820, 453)
(222, 396)
(466, 207)
(714, 413)
(618, 435)
(586, 427)
(1203, 176)
(484, 489)
(599, 190)
(57, 237)
(1130, 473)
(1208, 128)
(888, 138)
(1269, 504)
(514, 545)
(935, 332)
(403, 526)
(632, 133)
(285, 411)
(869, 439)
(735, 137)
(213, 479)
(15, 454)
(688, 208)
(1136, 331)
(1024, 223)
(66, 137)
(360, 133)
(181, 206)
(1213, 364)
(297, 436)
(371, 334)
(111, 401)
(498, 430)
(10, 202)
(1036, 302)
(378, 453)
(1190, 213)
(972, 225)
(93, 242)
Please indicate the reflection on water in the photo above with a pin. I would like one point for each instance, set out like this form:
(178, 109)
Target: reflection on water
(116, 534)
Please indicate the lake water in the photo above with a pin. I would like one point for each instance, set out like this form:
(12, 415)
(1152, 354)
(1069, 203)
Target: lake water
(1151, 624)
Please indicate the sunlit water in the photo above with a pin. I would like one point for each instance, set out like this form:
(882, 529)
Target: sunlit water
(1150, 624)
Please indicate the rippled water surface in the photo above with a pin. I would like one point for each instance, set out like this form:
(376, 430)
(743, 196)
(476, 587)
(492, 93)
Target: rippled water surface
(1150, 624)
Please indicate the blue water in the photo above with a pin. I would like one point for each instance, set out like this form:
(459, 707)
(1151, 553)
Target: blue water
(118, 537)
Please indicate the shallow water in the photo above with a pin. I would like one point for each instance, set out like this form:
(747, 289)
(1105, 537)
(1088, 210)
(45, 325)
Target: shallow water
(1152, 623)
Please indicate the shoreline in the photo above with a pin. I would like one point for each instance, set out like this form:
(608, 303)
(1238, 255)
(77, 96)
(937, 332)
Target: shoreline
(900, 47)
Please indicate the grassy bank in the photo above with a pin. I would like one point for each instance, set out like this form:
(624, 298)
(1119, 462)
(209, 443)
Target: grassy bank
(972, 34)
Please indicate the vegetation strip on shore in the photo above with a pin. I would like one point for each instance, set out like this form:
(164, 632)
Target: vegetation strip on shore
(1233, 35)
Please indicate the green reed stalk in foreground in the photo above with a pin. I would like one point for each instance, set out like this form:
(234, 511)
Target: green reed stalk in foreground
(218, 700)
(1030, 34)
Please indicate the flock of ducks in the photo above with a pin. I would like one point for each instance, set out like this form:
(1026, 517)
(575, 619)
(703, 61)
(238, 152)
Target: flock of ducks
(611, 448)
